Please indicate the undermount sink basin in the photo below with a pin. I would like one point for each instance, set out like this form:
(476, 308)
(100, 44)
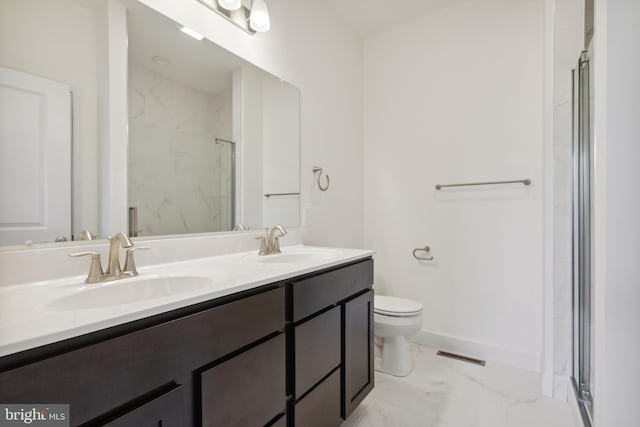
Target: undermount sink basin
(127, 291)
(299, 257)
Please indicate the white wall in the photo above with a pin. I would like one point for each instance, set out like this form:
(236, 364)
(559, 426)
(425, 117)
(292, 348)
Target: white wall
(457, 96)
(251, 147)
(281, 151)
(617, 209)
(57, 40)
(311, 48)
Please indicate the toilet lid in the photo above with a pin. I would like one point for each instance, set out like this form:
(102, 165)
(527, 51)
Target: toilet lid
(394, 306)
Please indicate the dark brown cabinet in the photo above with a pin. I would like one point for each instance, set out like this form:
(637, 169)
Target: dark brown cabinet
(317, 349)
(165, 410)
(333, 336)
(358, 350)
(247, 390)
(293, 353)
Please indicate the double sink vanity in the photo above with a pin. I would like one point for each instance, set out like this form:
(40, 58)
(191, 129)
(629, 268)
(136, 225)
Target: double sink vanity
(236, 339)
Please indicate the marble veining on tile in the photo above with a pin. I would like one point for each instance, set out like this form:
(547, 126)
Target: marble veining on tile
(177, 173)
(441, 392)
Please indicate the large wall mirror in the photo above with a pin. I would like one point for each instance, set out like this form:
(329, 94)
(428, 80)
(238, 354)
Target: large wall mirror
(113, 119)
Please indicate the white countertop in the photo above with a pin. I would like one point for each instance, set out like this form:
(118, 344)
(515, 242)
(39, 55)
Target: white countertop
(31, 316)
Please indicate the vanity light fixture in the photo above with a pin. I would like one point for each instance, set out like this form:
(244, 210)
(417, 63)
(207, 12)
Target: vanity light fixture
(230, 4)
(259, 18)
(188, 31)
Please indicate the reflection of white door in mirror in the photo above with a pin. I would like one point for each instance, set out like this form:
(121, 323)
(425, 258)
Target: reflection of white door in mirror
(35, 158)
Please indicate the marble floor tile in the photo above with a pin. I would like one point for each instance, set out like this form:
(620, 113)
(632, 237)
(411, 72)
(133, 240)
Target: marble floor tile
(441, 392)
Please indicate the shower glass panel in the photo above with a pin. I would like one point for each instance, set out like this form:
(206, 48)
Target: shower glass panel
(582, 277)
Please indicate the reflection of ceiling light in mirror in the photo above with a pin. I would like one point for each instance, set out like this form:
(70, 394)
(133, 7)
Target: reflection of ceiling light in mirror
(230, 4)
(259, 18)
(160, 60)
(192, 33)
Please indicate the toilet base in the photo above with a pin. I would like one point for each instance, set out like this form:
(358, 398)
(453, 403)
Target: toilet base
(395, 356)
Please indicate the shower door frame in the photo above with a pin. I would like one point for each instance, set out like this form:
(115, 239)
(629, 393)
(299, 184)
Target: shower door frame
(582, 165)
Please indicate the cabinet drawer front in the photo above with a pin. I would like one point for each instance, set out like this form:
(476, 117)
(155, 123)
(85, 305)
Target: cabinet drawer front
(247, 390)
(317, 349)
(315, 293)
(125, 367)
(321, 407)
(166, 410)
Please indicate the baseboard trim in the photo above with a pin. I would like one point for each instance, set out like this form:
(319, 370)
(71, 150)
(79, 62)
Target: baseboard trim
(490, 353)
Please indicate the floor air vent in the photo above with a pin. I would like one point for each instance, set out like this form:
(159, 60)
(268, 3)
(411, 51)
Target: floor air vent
(461, 358)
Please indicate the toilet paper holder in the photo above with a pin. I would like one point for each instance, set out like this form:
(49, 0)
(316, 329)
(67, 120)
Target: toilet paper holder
(426, 257)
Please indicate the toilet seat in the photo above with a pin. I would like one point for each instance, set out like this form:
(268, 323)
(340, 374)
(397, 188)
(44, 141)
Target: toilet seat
(395, 307)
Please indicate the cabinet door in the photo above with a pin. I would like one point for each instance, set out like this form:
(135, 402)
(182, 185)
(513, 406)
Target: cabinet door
(248, 389)
(358, 350)
(166, 410)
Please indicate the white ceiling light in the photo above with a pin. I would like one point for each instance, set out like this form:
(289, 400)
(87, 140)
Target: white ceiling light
(192, 33)
(230, 4)
(259, 18)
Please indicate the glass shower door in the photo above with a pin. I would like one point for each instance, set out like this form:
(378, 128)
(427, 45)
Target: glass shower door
(582, 277)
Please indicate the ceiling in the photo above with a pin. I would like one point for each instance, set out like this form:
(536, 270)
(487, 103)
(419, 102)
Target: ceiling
(199, 64)
(369, 17)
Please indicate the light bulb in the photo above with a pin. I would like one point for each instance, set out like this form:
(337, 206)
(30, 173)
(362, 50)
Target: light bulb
(230, 4)
(259, 18)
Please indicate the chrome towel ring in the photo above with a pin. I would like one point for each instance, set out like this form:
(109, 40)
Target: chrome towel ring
(319, 169)
(427, 254)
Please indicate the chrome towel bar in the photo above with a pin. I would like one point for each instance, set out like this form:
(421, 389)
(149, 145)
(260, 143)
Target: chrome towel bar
(280, 194)
(526, 181)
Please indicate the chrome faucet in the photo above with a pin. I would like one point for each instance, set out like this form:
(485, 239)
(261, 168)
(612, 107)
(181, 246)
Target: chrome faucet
(120, 239)
(114, 271)
(270, 244)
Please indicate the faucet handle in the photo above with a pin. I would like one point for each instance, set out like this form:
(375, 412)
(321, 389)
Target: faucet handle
(264, 249)
(96, 274)
(275, 249)
(130, 262)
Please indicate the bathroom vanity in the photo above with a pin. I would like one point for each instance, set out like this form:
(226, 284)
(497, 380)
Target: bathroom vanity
(296, 351)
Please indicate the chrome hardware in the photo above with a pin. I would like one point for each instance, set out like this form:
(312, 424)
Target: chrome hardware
(273, 241)
(130, 262)
(270, 244)
(426, 250)
(114, 271)
(133, 221)
(85, 235)
(317, 169)
(264, 249)
(95, 271)
(239, 227)
(280, 194)
(525, 181)
(120, 239)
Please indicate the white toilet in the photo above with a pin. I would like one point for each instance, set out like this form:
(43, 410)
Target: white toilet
(395, 320)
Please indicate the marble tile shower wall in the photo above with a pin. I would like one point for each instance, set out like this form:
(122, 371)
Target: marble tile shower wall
(568, 43)
(178, 178)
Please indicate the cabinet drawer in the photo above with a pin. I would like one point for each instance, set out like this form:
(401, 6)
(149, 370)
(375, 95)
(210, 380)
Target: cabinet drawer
(321, 407)
(105, 375)
(166, 410)
(247, 390)
(317, 349)
(315, 293)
